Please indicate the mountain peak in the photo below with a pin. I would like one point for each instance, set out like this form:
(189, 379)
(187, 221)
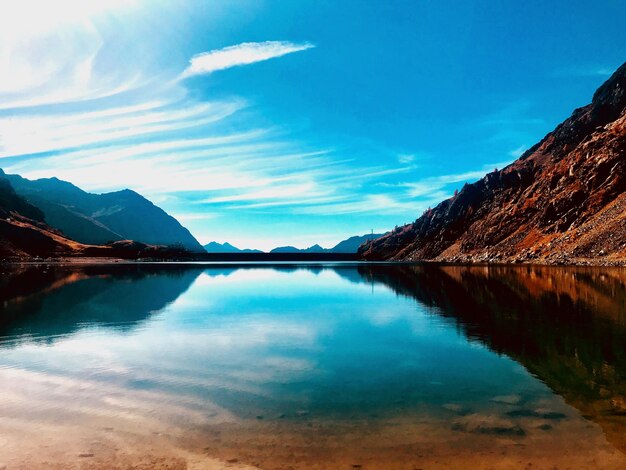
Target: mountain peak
(128, 193)
(613, 90)
(609, 101)
(216, 247)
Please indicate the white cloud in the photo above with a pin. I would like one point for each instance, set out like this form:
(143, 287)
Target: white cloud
(86, 103)
(49, 52)
(240, 54)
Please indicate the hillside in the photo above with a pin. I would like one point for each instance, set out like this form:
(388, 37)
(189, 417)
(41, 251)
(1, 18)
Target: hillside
(562, 201)
(25, 235)
(23, 232)
(102, 218)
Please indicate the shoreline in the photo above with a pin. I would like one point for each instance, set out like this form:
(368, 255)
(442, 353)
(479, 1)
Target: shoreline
(60, 261)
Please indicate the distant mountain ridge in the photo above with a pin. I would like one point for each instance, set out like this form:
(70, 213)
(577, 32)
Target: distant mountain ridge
(98, 219)
(562, 201)
(215, 247)
(292, 249)
(352, 244)
(349, 246)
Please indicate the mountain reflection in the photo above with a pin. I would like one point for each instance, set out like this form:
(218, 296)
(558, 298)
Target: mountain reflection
(567, 326)
(42, 303)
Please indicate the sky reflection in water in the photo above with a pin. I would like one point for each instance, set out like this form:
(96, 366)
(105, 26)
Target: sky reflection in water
(197, 345)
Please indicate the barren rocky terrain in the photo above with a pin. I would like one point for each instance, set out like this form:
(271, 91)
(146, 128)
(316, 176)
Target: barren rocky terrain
(561, 202)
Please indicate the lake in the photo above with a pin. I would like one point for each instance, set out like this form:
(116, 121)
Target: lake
(312, 366)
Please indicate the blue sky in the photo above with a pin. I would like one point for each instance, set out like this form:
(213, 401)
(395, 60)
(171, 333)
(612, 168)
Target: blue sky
(292, 122)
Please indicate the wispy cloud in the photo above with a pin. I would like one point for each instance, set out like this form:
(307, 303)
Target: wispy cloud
(51, 53)
(368, 203)
(241, 54)
(402, 199)
(408, 197)
(153, 148)
(203, 159)
(273, 192)
(31, 134)
(585, 71)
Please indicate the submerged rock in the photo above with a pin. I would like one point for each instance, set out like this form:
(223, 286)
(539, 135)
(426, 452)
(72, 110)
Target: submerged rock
(486, 424)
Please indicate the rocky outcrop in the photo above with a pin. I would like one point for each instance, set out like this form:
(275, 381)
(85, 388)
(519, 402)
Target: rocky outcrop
(563, 201)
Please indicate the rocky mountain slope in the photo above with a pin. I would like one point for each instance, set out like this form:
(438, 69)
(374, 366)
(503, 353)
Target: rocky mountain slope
(23, 231)
(102, 218)
(562, 201)
(24, 234)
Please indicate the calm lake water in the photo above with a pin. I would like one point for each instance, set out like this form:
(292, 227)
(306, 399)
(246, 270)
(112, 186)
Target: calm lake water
(312, 366)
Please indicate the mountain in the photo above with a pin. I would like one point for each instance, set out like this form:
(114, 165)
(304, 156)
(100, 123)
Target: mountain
(215, 247)
(11, 202)
(286, 249)
(24, 234)
(102, 218)
(23, 231)
(292, 249)
(562, 201)
(352, 244)
(314, 249)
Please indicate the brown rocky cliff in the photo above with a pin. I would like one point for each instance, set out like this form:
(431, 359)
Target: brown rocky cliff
(563, 201)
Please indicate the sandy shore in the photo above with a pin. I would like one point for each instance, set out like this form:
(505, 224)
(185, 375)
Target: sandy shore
(104, 429)
(399, 446)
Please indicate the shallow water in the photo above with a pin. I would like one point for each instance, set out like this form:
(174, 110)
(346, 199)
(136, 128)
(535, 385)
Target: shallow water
(312, 366)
